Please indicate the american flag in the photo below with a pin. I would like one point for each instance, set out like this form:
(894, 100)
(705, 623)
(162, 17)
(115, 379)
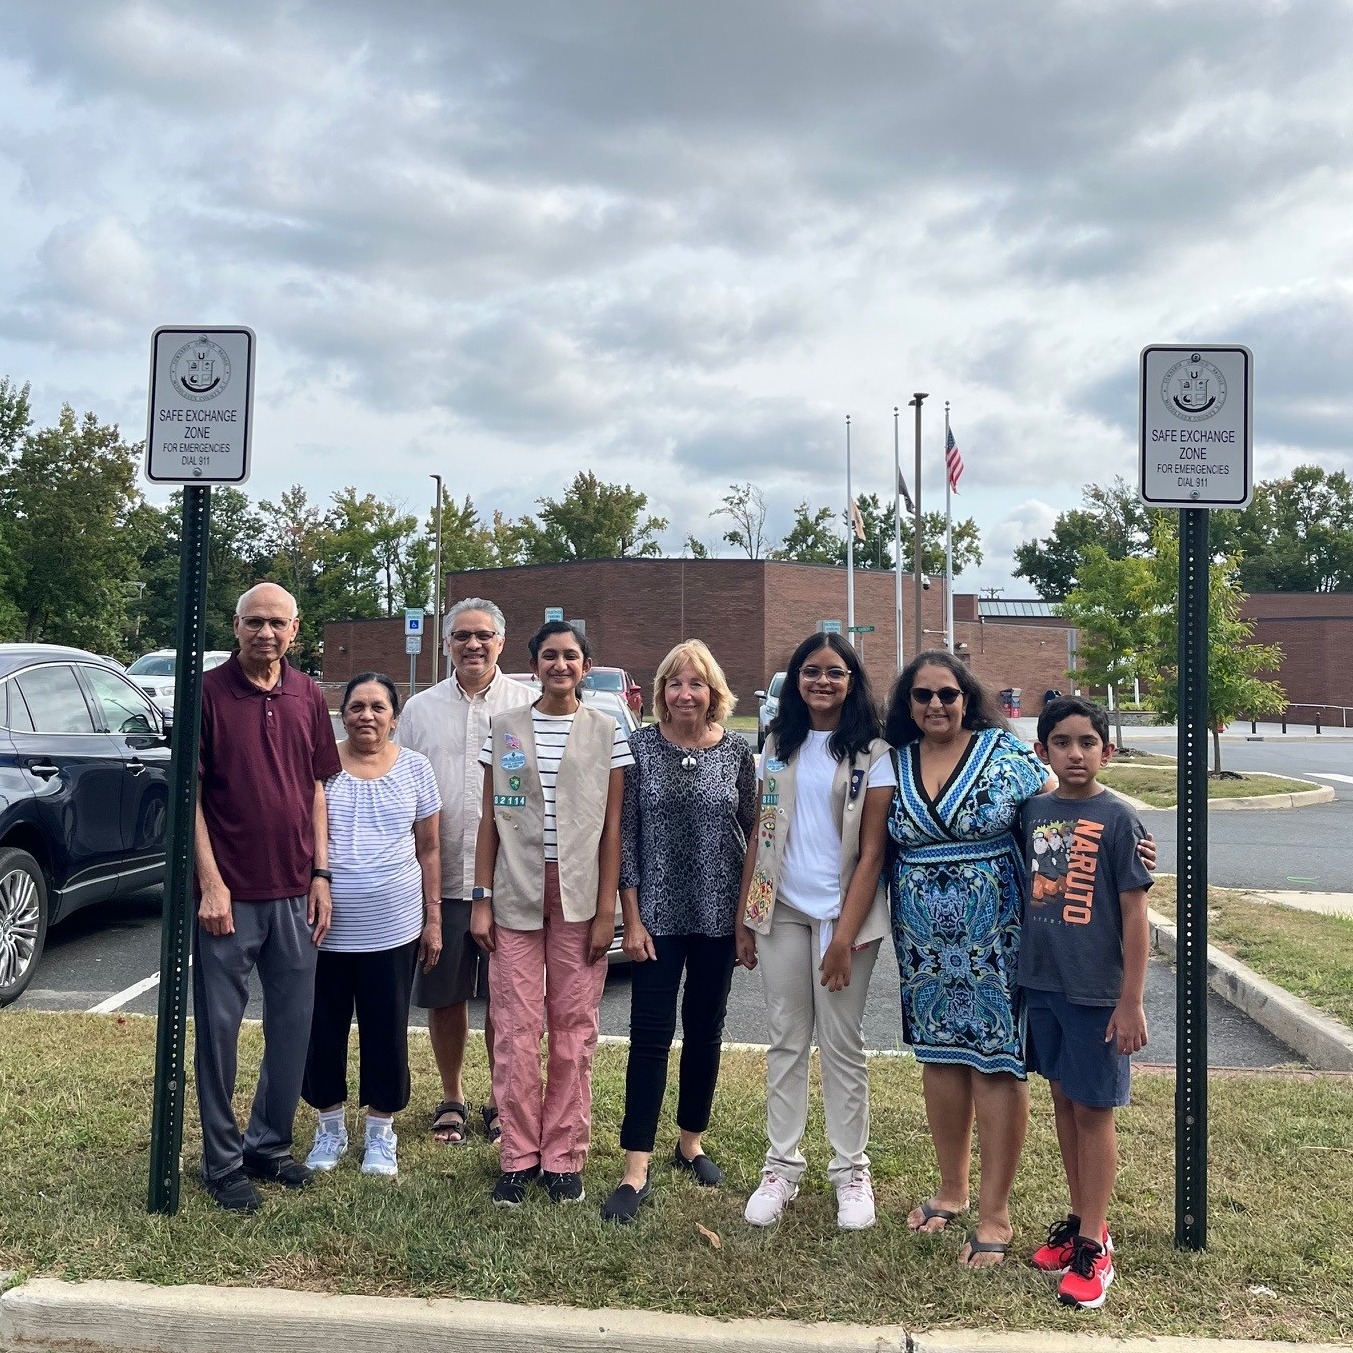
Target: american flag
(953, 459)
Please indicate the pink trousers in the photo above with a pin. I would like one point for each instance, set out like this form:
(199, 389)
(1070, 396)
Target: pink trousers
(541, 980)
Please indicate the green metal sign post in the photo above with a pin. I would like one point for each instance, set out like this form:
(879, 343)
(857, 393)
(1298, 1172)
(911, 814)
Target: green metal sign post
(166, 1129)
(1190, 1094)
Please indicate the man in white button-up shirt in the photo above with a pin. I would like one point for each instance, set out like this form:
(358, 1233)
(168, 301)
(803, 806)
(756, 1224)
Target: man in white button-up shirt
(448, 724)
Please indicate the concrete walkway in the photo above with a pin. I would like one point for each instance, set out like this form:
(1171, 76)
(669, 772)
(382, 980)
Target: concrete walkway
(1328, 904)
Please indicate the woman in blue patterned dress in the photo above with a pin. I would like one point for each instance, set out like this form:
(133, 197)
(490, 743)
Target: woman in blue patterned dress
(957, 897)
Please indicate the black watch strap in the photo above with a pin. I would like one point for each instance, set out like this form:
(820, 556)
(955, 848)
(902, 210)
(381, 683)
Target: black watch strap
(322, 874)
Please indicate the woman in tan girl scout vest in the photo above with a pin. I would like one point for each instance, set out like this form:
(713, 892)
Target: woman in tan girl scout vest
(547, 866)
(813, 915)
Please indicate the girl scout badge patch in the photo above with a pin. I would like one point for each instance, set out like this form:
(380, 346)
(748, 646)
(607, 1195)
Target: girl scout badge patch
(775, 764)
(856, 782)
(512, 742)
(513, 761)
(759, 897)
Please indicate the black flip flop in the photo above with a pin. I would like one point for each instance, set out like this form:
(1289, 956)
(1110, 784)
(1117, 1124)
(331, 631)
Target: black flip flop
(975, 1246)
(489, 1113)
(929, 1212)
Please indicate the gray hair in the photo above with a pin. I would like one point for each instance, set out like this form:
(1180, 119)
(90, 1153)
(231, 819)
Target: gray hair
(475, 604)
(249, 592)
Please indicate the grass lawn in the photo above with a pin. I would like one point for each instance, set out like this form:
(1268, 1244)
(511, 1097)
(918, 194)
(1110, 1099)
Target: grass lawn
(742, 723)
(75, 1100)
(1304, 952)
(1157, 786)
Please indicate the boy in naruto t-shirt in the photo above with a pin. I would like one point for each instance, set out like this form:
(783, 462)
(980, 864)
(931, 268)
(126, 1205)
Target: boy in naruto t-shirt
(1082, 964)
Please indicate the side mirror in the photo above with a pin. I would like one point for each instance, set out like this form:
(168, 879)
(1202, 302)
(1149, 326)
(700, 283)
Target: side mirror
(760, 695)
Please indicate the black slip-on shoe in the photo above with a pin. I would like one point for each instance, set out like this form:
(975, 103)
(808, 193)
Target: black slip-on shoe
(233, 1192)
(284, 1170)
(702, 1169)
(623, 1205)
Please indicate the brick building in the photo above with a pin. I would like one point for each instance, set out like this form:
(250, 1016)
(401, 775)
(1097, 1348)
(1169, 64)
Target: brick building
(752, 613)
(1315, 632)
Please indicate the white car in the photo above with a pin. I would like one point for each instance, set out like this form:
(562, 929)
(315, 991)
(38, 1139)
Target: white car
(770, 706)
(154, 674)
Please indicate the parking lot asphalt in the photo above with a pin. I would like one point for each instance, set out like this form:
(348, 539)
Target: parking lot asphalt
(107, 952)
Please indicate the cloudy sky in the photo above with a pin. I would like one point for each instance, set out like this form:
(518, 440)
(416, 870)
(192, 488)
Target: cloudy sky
(677, 241)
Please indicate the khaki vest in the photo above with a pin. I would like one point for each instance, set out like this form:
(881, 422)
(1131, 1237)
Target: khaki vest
(776, 817)
(519, 814)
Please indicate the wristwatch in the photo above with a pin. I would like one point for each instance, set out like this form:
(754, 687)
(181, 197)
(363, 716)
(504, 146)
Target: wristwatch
(322, 874)
(481, 894)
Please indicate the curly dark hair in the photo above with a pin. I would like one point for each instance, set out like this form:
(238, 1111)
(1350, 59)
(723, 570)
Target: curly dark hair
(980, 708)
(859, 724)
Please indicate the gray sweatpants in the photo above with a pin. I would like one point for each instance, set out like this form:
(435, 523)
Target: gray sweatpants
(274, 938)
(797, 1004)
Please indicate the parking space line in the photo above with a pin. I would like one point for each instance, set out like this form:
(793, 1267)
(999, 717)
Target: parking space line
(120, 998)
(1330, 775)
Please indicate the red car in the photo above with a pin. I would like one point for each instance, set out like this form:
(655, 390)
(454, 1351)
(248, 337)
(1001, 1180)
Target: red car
(618, 680)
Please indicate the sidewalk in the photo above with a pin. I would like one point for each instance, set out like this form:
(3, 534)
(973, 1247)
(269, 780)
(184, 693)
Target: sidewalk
(1328, 904)
(1238, 731)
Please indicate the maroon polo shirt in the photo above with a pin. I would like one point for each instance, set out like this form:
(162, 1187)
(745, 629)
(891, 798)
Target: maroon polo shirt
(262, 752)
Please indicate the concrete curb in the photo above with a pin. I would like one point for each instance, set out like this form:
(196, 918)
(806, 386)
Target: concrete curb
(121, 1317)
(1313, 1035)
(1300, 799)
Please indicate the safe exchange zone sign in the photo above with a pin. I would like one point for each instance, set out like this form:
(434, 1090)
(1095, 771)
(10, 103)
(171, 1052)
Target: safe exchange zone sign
(201, 398)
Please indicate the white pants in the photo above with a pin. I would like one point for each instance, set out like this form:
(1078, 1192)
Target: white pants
(796, 1001)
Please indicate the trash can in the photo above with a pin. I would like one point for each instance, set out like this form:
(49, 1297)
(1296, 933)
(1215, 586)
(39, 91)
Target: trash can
(1014, 701)
(1008, 701)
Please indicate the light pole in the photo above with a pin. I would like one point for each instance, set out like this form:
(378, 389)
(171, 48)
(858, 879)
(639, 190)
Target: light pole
(915, 402)
(437, 582)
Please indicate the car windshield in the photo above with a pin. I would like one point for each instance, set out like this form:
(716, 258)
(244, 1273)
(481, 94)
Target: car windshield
(604, 681)
(776, 683)
(214, 660)
(153, 664)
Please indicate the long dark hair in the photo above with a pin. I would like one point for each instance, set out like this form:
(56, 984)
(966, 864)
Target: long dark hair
(859, 724)
(980, 708)
(551, 627)
(381, 679)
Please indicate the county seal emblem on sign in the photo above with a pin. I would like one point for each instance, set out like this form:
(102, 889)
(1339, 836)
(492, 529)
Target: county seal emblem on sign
(200, 370)
(1194, 389)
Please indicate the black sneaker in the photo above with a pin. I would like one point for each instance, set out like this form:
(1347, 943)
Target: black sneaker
(284, 1170)
(233, 1192)
(623, 1205)
(512, 1186)
(564, 1186)
(702, 1169)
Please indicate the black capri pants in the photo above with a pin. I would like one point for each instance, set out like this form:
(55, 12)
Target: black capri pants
(377, 986)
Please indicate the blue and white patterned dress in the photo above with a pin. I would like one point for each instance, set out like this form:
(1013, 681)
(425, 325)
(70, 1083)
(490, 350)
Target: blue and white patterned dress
(957, 895)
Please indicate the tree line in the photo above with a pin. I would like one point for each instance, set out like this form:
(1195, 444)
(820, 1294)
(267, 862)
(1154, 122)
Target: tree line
(86, 560)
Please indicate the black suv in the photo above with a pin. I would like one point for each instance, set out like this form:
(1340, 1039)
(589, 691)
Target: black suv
(84, 770)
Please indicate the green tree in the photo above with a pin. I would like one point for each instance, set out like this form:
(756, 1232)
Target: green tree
(16, 417)
(67, 497)
(745, 505)
(696, 548)
(812, 539)
(295, 548)
(593, 520)
(1115, 609)
(876, 549)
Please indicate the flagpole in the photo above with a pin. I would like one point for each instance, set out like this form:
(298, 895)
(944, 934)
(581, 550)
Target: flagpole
(948, 541)
(897, 531)
(850, 545)
(917, 548)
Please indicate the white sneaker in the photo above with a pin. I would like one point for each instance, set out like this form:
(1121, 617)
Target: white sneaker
(379, 1157)
(855, 1201)
(774, 1194)
(328, 1149)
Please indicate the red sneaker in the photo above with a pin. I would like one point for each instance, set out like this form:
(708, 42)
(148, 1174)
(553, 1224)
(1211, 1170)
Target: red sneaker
(1054, 1256)
(1086, 1284)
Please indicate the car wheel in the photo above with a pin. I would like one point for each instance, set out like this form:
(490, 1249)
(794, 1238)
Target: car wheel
(23, 921)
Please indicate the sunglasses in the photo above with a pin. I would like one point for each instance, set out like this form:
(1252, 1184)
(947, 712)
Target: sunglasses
(947, 695)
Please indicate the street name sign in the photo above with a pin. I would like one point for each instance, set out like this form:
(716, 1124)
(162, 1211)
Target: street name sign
(201, 402)
(862, 629)
(1197, 406)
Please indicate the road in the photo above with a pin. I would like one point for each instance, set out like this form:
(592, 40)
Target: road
(107, 952)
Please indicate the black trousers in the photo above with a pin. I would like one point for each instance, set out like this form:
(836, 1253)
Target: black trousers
(708, 965)
(377, 986)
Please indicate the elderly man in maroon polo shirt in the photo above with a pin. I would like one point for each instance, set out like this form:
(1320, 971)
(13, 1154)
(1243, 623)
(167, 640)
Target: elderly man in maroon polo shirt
(262, 839)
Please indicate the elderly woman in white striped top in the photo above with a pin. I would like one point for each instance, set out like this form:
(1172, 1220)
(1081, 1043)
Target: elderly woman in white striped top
(385, 857)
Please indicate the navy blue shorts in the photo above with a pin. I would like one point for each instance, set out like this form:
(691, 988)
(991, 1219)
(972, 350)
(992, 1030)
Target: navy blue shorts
(1065, 1043)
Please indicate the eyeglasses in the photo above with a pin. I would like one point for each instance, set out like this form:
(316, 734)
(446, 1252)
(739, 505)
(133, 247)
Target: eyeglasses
(255, 623)
(464, 636)
(947, 695)
(817, 673)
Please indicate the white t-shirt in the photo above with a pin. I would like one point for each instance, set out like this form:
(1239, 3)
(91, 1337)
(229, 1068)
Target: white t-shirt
(551, 736)
(810, 870)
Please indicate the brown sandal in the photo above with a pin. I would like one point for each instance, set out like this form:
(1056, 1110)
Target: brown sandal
(449, 1123)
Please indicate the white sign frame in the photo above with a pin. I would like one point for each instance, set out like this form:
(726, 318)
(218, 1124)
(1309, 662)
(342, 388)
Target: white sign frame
(413, 644)
(413, 621)
(177, 408)
(1196, 426)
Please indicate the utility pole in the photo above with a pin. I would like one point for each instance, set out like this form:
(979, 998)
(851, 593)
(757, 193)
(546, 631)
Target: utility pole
(437, 583)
